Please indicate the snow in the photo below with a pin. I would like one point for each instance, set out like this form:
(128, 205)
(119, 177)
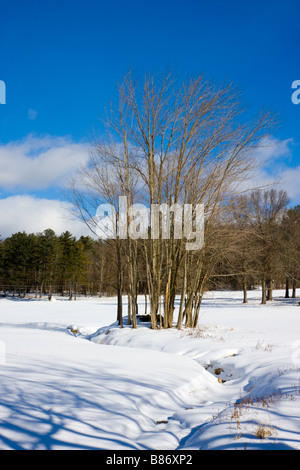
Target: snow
(71, 379)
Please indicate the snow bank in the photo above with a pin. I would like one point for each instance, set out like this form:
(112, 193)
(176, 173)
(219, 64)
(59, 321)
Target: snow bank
(231, 384)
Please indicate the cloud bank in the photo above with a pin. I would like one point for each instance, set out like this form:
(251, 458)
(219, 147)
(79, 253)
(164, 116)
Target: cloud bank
(275, 158)
(41, 163)
(32, 165)
(38, 163)
(33, 215)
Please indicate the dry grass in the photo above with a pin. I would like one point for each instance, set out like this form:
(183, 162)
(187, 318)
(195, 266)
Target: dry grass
(264, 432)
(204, 333)
(218, 371)
(264, 347)
(249, 403)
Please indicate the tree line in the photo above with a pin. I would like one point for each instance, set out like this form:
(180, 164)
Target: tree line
(258, 244)
(45, 263)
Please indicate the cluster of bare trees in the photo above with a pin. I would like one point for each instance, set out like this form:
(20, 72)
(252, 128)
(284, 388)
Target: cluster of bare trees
(267, 248)
(169, 144)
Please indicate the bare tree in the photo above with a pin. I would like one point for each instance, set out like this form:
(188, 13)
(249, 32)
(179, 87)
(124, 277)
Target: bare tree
(266, 209)
(172, 143)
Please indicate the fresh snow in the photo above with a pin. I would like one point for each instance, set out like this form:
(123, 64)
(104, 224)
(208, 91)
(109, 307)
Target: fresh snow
(72, 379)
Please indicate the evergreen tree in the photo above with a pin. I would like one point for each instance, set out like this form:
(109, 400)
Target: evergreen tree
(48, 251)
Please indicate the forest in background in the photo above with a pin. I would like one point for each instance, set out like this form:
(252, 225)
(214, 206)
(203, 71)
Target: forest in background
(258, 246)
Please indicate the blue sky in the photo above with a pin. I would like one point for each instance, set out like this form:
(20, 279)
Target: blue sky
(61, 62)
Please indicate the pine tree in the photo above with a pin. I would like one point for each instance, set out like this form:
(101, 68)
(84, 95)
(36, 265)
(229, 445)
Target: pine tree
(48, 251)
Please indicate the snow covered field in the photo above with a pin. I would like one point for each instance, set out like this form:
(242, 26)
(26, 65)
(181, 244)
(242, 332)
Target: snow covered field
(233, 383)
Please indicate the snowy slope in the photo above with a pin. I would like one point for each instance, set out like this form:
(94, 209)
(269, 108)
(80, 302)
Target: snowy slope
(233, 383)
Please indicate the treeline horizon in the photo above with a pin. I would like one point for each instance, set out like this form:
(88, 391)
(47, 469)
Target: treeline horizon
(262, 248)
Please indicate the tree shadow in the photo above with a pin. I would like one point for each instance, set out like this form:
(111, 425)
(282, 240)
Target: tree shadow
(70, 409)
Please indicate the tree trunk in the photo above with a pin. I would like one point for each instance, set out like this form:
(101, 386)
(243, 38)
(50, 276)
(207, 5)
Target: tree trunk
(245, 300)
(269, 290)
(183, 294)
(287, 282)
(188, 311)
(101, 274)
(197, 306)
(129, 308)
(133, 281)
(120, 308)
(152, 290)
(41, 289)
(294, 289)
(264, 297)
(119, 285)
(70, 292)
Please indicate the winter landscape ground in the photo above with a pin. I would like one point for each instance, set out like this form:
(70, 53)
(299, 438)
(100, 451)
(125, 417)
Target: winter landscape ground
(232, 383)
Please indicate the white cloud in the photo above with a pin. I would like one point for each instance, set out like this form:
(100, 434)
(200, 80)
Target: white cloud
(289, 181)
(32, 215)
(277, 168)
(273, 156)
(38, 163)
(271, 149)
